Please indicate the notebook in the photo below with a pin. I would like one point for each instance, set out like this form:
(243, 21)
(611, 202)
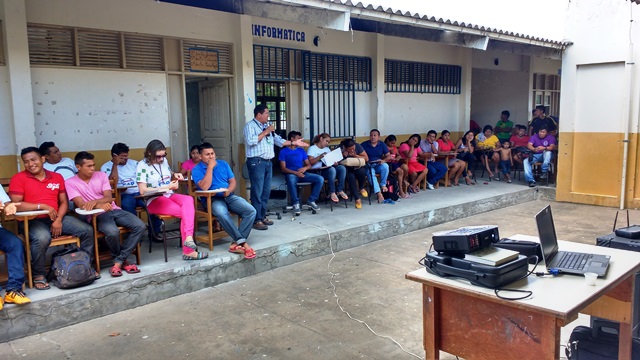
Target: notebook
(565, 261)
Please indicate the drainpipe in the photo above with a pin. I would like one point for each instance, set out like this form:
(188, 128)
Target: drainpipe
(628, 104)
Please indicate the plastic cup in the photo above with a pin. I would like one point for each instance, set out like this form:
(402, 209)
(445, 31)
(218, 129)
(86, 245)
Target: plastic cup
(590, 278)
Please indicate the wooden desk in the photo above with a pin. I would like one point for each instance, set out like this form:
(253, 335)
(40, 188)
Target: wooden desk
(473, 323)
(446, 156)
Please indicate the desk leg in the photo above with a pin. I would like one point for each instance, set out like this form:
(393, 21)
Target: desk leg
(430, 322)
(27, 247)
(625, 342)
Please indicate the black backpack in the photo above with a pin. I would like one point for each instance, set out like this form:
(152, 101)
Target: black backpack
(393, 189)
(586, 343)
(71, 268)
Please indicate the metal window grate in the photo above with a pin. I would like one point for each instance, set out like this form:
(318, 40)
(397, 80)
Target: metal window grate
(417, 77)
(51, 46)
(99, 49)
(223, 50)
(339, 72)
(277, 64)
(143, 52)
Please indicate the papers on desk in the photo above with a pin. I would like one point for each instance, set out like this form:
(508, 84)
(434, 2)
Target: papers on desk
(31, 213)
(88, 212)
(152, 191)
(332, 157)
(214, 191)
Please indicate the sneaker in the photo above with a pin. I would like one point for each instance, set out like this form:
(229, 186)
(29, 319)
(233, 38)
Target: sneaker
(430, 186)
(296, 209)
(267, 222)
(532, 183)
(313, 205)
(260, 226)
(544, 175)
(16, 297)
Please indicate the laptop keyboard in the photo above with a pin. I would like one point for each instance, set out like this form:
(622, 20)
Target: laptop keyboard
(575, 261)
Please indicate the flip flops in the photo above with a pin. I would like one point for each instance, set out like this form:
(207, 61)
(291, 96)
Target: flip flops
(236, 249)
(334, 198)
(199, 256)
(115, 271)
(130, 268)
(190, 244)
(44, 282)
(249, 254)
(343, 195)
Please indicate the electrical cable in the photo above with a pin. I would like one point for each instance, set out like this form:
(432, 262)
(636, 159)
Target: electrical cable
(333, 255)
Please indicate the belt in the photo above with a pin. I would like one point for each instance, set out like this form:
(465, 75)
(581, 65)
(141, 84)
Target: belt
(258, 157)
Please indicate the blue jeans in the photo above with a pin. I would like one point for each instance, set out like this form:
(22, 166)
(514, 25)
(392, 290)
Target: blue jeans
(14, 251)
(331, 174)
(129, 203)
(108, 223)
(292, 184)
(437, 170)
(260, 176)
(40, 239)
(544, 157)
(221, 209)
(505, 165)
(383, 170)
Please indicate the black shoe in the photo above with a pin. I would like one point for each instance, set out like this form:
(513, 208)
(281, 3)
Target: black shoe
(532, 183)
(267, 222)
(260, 226)
(544, 175)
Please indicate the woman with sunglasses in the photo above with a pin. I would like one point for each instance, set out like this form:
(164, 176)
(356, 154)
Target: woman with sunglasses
(154, 174)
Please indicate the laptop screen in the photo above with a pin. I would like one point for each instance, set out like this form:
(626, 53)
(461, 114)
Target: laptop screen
(547, 234)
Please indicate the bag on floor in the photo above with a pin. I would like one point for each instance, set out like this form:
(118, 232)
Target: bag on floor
(393, 188)
(586, 343)
(71, 268)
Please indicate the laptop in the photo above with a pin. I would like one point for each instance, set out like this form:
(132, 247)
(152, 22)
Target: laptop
(565, 261)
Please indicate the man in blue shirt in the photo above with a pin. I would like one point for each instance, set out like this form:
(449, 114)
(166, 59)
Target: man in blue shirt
(213, 174)
(294, 164)
(378, 154)
(259, 138)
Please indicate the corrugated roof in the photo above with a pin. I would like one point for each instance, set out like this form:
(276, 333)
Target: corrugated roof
(445, 24)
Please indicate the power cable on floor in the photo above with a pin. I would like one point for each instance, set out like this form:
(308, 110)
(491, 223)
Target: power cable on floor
(333, 255)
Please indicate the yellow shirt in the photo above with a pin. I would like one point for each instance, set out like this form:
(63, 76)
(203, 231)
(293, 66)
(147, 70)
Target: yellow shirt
(489, 143)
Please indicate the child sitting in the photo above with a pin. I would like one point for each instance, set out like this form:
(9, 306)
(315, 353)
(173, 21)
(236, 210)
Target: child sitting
(506, 161)
(519, 143)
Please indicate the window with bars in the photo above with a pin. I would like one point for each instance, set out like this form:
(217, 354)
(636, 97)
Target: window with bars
(418, 77)
(66, 46)
(276, 63)
(338, 72)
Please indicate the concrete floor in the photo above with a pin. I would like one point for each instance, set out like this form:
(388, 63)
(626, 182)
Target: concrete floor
(291, 312)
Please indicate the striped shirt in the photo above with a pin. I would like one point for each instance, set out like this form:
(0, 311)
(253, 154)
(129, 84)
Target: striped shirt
(263, 148)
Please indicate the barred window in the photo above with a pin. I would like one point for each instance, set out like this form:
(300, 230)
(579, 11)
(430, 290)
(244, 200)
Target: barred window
(276, 63)
(417, 77)
(352, 72)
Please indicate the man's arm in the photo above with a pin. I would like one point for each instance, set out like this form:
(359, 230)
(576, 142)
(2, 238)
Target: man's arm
(530, 146)
(205, 182)
(114, 169)
(285, 170)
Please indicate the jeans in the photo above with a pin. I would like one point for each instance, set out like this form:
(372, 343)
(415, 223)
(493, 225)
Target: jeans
(331, 174)
(505, 165)
(108, 223)
(180, 206)
(292, 184)
(356, 176)
(129, 203)
(221, 208)
(383, 170)
(544, 157)
(436, 171)
(40, 239)
(14, 251)
(260, 176)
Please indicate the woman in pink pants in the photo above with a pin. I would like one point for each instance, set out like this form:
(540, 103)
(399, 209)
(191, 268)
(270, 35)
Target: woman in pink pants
(154, 174)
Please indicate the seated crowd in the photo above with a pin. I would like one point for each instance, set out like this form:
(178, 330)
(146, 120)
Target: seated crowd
(50, 184)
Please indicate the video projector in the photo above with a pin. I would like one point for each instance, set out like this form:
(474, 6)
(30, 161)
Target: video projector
(465, 240)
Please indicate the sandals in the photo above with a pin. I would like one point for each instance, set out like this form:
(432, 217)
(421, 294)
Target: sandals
(115, 271)
(334, 198)
(364, 193)
(190, 243)
(43, 282)
(358, 204)
(199, 256)
(130, 268)
(405, 196)
(236, 249)
(380, 197)
(249, 254)
(343, 195)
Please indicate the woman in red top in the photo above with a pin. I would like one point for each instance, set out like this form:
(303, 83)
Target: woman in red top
(396, 166)
(456, 166)
(410, 151)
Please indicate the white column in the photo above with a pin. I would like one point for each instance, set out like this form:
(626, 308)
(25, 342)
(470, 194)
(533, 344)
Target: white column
(378, 85)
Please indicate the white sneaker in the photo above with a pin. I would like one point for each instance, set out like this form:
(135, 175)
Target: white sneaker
(430, 186)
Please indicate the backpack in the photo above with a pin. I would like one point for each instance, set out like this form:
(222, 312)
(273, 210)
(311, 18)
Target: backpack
(586, 343)
(71, 268)
(393, 187)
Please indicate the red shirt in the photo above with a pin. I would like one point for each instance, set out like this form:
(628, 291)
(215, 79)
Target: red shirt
(38, 192)
(445, 146)
(519, 141)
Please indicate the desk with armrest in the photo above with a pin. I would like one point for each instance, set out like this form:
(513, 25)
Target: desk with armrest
(472, 322)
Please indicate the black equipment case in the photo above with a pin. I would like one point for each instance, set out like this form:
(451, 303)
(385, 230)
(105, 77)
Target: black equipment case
(598, 342)
(482, 275)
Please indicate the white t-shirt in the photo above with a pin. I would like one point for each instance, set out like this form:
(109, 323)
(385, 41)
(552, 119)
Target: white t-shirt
(126, 175)
(315, 151)
(154, 176)
(66, 167)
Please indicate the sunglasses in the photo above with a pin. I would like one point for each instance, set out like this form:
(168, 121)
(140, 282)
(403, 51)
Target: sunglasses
(161, 156)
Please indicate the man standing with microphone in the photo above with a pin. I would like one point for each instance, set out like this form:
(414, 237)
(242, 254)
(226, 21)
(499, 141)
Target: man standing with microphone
(259, 138)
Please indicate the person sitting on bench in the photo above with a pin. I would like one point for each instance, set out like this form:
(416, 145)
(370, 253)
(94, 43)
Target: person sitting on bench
(294, 164)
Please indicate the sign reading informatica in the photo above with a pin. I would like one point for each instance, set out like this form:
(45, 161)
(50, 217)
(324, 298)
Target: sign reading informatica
(277, 33)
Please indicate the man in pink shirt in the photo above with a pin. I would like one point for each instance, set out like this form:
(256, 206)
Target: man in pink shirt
(90, 190)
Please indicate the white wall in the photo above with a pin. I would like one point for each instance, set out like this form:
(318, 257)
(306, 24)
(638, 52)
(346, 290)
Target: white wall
(93, 109)
(7, 142)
